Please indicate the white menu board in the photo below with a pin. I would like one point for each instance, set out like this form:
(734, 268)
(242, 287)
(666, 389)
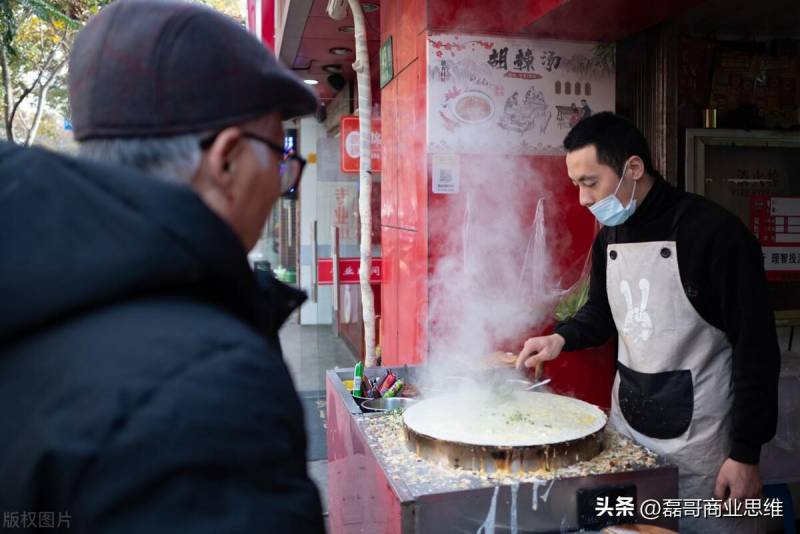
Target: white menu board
(504, 95)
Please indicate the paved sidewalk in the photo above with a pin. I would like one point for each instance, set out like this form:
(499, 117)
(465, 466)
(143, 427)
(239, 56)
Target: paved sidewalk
(309, 352)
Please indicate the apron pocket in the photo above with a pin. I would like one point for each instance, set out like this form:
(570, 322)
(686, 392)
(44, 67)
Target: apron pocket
(658, 405)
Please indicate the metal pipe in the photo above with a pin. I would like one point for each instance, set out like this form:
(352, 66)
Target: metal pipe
(335, 259)
(314, 272)
(362, 70)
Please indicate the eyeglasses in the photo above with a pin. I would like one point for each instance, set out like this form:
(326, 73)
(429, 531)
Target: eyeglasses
(290, 169)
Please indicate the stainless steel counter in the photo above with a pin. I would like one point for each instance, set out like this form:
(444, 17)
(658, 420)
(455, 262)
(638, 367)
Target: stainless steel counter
(376, 482)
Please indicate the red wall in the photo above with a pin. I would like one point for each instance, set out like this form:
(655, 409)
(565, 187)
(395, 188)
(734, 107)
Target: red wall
(480, 16)
(268, 23)
(577, 20)
(404, 229)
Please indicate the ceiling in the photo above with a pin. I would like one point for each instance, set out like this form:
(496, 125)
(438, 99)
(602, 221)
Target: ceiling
(310, 33)
(308, 45)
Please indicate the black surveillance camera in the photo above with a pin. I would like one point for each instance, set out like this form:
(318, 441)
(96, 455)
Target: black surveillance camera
(337, 81)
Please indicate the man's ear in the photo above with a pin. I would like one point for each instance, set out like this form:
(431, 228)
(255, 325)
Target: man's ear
(221, 155)
(635, 167)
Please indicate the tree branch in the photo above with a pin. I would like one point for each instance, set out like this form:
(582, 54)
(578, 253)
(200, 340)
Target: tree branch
(9, 93)
(37, 119)
(30, 89)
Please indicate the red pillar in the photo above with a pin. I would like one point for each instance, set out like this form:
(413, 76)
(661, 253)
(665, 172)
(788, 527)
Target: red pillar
(268, 23)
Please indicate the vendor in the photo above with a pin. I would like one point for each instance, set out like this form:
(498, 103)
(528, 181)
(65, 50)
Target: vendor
(681, 282)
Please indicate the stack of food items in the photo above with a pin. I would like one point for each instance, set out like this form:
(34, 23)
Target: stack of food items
(388, 385)
(382, 386)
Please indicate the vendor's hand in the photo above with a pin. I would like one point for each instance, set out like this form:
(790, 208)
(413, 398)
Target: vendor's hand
(737, 481)
(538, 350)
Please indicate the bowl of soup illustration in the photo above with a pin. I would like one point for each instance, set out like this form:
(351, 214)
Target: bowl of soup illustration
(473, 107)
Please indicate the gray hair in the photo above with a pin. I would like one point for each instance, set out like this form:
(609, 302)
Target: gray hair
(174, 159)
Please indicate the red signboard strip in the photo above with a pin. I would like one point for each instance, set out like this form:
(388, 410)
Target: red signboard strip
(348, 271)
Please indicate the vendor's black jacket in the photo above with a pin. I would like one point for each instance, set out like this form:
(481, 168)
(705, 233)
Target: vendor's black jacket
(722, 270)
(142, 386)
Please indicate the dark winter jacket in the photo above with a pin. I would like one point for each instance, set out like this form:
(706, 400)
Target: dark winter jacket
(142, 386)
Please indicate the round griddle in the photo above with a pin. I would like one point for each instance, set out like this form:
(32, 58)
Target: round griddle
(520, 432)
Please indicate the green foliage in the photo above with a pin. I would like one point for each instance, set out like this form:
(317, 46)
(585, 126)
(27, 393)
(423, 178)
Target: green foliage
(57, 13)
(7, 25)
(573, 301)
(229, 7)
(35, 39)
(605, 55)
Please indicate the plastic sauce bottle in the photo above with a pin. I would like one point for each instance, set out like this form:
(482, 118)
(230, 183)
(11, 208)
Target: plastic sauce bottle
(358, 375)
(394, 390)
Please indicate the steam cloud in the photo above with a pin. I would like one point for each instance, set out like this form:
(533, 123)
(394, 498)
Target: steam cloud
(493, 283)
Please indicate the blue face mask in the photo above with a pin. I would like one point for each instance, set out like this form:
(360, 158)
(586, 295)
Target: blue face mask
(610, 211)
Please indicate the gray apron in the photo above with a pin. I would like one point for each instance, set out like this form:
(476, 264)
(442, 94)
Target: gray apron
(672, 392)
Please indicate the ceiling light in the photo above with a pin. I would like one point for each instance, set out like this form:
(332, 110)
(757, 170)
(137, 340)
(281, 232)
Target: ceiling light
(369, 7)
(347, 29)
(310, 82)
(333, 68)
(341, 51)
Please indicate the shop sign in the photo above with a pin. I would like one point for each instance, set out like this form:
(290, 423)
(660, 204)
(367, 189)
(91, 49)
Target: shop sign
(776, 223)
(387, 69)
(350, 138)
(348, 271)
(492, 94)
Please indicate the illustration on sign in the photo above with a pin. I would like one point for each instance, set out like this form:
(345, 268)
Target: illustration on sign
(522, 116)
(569, 116)
(513, 95)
